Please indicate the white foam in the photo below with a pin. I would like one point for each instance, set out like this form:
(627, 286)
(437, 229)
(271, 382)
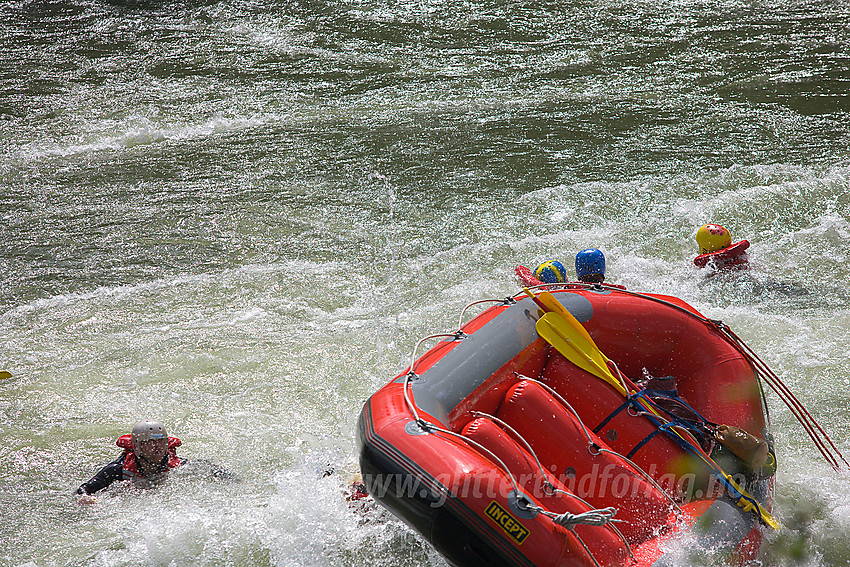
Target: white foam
(140, 131)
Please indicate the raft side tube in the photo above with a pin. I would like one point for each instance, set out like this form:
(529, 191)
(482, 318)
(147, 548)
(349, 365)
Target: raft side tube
(642, 335)
(602, 479)
(604, 411)
(472, 361)
(470, 514)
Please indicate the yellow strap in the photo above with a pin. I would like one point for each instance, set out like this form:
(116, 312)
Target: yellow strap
(749, 504)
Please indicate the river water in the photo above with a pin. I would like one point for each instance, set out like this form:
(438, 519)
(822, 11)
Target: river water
(237, 217)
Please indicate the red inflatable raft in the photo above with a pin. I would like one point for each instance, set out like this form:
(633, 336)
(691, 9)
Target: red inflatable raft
(520, 439)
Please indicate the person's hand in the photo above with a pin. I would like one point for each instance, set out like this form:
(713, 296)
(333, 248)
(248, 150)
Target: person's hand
(87, 499)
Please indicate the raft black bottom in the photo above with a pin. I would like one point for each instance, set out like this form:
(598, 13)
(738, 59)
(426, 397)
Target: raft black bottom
(409, 497)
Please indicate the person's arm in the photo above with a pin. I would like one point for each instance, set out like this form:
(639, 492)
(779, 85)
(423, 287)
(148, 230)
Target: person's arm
(104, 477)
(208, 468)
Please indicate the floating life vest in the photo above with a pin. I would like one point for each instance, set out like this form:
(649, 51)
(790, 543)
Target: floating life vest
(526, 277)
(131, 464)
(731, 256)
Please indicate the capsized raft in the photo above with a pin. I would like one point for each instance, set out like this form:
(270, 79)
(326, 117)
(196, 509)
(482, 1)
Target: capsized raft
(502, 449)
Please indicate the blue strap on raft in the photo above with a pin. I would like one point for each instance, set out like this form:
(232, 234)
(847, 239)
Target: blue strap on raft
(697, 425)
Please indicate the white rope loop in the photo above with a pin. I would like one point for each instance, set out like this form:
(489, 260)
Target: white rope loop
(595, 449)
(599, 517)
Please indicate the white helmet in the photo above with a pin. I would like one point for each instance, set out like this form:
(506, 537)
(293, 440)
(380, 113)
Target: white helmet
(147, 430)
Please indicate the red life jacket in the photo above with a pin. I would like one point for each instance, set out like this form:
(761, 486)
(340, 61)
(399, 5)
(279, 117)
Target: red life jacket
(526, 277)
(729, 257)
(131, 463)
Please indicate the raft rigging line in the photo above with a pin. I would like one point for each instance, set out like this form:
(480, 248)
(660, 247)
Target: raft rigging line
(738, 493)
(566, 519)
(799, 411)
(591, 446)
(599, 517)
(603, 517)
(813, 429)
(569, 521)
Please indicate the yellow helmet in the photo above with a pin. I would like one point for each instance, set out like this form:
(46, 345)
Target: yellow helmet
(712, 237)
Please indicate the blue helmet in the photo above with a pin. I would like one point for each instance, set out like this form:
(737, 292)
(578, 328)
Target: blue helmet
(590, 265)
(551, 271)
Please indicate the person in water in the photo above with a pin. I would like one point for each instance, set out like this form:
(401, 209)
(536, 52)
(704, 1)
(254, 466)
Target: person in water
(716, 248)
(590, 266)
(149, 453)
(551, 271)
(720, 256)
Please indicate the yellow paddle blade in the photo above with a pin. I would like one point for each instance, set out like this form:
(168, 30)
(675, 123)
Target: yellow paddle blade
(558, 332)
(554, 305)
(4, 375)
(547, 302)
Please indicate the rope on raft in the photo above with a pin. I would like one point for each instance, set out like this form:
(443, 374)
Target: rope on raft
(764, 373)
(556, 491)
(809, 423)
(598, 517)
(592, 446)
(569, 521)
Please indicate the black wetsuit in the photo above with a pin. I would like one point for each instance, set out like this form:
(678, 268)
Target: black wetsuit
(115, 471)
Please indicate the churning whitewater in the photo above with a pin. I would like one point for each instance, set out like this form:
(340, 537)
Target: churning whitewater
(239, 217)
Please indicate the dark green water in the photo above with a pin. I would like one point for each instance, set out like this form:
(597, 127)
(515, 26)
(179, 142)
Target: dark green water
(239, 216)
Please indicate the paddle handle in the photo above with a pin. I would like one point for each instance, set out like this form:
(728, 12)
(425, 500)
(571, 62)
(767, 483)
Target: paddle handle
(536, 300)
